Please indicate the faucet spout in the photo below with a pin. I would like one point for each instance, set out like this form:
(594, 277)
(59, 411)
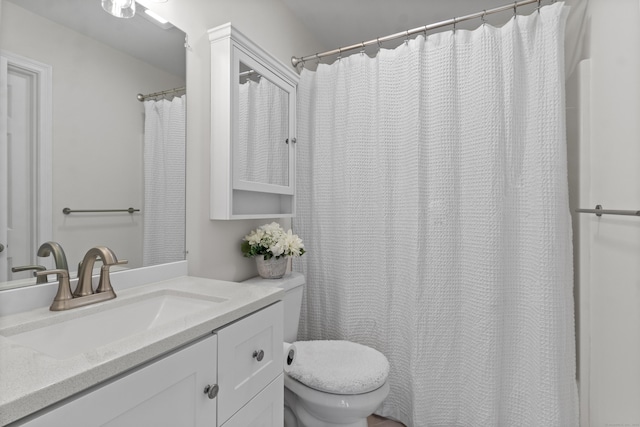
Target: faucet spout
(59, 257)
(108, 258)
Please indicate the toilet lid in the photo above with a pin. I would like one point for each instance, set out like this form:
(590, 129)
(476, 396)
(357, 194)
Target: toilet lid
(339, 367)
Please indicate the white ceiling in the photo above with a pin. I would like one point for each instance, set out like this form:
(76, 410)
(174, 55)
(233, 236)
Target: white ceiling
(338, 23)
(335, 23)
(136, 36)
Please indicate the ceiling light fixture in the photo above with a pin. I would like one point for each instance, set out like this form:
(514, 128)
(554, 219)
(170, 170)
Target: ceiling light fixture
(155, 16)
(155, 19)
(120, 8)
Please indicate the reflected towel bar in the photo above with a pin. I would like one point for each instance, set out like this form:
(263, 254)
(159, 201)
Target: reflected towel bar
(599, 211)
(67, 211)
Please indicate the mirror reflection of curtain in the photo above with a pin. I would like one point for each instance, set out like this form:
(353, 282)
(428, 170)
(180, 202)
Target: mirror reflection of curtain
(263, 130)
(164, 181)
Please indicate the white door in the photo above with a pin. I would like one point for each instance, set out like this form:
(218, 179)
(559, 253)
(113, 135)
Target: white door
(25, 165)
(20, 249)
(4, 177)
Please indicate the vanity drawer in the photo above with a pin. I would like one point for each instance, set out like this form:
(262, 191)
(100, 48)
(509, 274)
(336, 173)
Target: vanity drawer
(241, 375)
(264, 410)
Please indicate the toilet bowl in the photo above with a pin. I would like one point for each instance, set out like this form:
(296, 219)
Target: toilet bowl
(312, 408)
(334, 383)
(331, 383)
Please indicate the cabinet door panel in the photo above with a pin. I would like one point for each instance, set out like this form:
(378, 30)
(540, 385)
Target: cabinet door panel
(169, 392)
(264, 410)
(241, 375)
(173, 406)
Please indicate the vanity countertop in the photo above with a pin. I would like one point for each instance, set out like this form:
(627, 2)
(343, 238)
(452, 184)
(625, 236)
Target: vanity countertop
(31, 380)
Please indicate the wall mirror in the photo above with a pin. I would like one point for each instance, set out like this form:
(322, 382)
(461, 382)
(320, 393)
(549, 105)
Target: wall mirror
(98, 64)
(253, 125)
(263, 129)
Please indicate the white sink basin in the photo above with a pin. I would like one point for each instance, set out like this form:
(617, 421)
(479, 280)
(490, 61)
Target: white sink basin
(79, 334)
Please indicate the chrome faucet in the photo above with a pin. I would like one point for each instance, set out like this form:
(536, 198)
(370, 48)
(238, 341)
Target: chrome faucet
(59, 257)
(84, 293)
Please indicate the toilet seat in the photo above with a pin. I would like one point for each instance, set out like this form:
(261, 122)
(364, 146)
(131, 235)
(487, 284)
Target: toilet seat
(339, 367)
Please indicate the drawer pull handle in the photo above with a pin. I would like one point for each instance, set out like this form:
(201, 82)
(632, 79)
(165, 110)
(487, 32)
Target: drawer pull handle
(258, 355)
(211, 391)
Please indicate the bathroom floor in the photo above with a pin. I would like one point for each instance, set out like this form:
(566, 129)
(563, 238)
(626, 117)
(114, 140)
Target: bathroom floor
(376, 421)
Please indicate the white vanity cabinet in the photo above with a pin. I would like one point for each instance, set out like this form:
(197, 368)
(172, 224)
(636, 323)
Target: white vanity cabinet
(241, 361)
(168, 392)
(253, 125)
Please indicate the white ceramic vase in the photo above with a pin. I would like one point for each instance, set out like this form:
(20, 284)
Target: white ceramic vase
(272, 268)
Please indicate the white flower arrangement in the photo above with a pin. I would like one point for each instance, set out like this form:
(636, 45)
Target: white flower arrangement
(270, 240)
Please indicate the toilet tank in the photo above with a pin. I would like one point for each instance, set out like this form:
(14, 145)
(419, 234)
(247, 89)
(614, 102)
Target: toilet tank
(292, 283)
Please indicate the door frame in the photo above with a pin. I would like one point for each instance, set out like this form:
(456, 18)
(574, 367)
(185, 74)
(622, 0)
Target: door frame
(43, 162)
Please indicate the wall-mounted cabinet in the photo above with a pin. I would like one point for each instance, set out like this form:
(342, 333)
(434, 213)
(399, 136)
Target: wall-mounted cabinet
(253, 128)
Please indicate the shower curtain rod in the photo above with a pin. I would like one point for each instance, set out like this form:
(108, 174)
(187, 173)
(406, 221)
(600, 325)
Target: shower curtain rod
(142, 97)
(247, 73)
(297, 61)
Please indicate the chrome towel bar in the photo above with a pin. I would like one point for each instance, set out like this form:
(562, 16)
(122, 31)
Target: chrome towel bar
(67, 211)
(599, 211)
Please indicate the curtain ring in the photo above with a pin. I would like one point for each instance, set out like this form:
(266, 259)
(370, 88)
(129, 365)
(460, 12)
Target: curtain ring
(379, 45)
(362, 50)
(406, 40)
(318, 58)
(339, 54)
(539, 5)
(515, 9)
(455, 21)
(484, 13)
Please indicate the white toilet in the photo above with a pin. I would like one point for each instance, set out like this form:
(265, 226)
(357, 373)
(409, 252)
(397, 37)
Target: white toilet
(331, 383)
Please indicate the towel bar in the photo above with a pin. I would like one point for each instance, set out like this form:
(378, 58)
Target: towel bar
(67, 211)
(599, 211)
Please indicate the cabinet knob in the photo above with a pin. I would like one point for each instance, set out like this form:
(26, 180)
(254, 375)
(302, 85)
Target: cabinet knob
(211, 391)
(258, 355)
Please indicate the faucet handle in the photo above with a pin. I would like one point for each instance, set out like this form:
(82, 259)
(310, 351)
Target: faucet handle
(62, 298)
(104, 285)
(117, 262)
(41, 279)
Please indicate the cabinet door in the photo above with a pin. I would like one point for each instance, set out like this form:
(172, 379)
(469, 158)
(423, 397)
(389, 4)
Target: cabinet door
(249, 358)
(264, 410)
(166, 393)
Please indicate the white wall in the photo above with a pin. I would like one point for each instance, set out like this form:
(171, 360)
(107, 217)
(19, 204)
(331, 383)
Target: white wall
(606, 170)
(214, 246)
(97, 131)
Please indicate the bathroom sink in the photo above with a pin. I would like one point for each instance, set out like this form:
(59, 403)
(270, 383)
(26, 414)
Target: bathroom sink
(79, 334)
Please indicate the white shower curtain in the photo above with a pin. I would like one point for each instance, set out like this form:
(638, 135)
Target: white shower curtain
(433, 202)
(164, 181)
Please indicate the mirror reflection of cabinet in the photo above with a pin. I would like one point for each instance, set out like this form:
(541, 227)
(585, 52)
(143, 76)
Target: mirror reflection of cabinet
(253, 106)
